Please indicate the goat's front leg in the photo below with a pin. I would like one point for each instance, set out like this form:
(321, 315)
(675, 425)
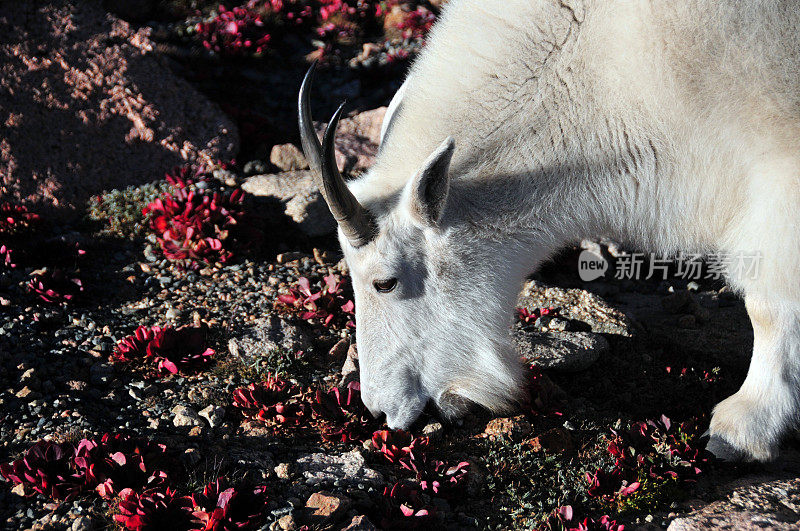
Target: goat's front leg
(750, 424)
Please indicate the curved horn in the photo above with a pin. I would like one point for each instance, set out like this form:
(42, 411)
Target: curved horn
(356, 223)
(308, 136)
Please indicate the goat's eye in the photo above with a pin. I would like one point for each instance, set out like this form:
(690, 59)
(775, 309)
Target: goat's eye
(385, 286)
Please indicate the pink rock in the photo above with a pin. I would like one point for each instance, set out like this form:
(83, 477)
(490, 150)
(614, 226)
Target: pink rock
(88, 107)
(288, 157)
(325, 508)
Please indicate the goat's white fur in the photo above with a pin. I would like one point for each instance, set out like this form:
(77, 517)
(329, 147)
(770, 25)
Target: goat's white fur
(670, 125)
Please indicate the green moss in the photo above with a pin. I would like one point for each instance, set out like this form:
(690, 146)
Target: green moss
(652, 496)
(527, 486)
(118, 213)
(277, 362)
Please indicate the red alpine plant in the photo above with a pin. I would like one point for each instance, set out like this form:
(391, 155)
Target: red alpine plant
(564, 518)
(328, 305)
(15, 219)
(405, 507)
(180, 349)
(443, 480)
(402, 448)
(171, 350)
(342, 414)
(46, 468)
(156, 508)
(273, 401)
(223, 508)
(55, 286)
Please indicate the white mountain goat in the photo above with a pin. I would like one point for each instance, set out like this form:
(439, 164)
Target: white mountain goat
(526, 124)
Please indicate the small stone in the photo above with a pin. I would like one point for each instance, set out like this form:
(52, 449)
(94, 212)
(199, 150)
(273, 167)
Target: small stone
(77, 385)
(324, 508)
(25, 392)
(213, 414)
(28, 376)
(323, 257)
(350, 367)
(287, 522)
(254, 167)
(288, 157)
(360, 523)
(82, 523)
(185, 416)
(191, 456)
(433, 430)
(197, 431)
(339, 350)
(283, 470)
(511, 427)
(558, 324)
(285, 258)
(556, 440)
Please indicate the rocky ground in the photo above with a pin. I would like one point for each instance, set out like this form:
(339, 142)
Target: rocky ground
(614, 353)
(241, 409)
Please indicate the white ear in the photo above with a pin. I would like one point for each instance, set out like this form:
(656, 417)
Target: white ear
(392, 111)
(427, 192)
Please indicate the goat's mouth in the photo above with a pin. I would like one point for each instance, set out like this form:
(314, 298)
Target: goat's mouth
(451, 405)
(457, 400)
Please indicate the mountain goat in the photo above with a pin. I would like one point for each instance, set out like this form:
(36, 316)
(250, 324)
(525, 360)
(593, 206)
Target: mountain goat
(526, 124)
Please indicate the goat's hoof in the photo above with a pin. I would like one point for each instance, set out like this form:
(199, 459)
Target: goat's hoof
(722, 450)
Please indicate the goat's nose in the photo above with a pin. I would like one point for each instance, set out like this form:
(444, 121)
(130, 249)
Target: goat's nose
(375, 411)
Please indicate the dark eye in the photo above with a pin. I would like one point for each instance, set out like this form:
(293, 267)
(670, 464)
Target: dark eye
(385, 286)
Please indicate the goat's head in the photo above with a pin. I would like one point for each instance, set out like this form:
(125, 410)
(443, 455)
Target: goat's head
(431, 323)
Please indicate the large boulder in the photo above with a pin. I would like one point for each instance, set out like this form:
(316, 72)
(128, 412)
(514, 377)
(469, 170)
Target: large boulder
(754, 503)
(87, 106)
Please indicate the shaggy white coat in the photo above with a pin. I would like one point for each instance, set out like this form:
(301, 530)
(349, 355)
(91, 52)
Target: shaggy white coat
(669, 125)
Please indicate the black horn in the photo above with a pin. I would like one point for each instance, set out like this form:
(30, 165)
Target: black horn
(356, 222)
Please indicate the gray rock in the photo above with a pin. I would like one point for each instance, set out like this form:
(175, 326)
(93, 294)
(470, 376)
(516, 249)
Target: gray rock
(752, 504)
(82, 523)
(185, 416)
(577, 305)
(357, 139)
(265, 336)
(300, 197)
(563, 351)
(213, 414)
(283, 470)
(350, 367)
(348, 469)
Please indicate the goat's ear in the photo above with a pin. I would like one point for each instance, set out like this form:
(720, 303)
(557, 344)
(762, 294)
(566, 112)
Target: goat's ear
(427, 192)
